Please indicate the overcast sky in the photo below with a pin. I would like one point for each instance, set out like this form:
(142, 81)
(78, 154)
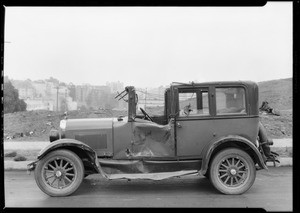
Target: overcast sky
(149, 46)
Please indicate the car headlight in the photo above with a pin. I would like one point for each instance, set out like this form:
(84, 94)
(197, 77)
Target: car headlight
(54, 135)
(63, 124)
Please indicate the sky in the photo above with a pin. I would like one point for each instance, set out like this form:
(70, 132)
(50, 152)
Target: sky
(149, 46)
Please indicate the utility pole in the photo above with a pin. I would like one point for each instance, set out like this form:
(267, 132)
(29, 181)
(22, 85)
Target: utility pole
(57, 88)
(66, 104)
(145, 98)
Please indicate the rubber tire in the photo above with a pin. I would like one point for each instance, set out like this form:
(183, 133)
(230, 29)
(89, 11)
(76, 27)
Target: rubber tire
(72, 157)
(213, 171)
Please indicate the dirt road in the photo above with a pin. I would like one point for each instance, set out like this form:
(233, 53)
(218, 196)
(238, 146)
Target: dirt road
(272, 191)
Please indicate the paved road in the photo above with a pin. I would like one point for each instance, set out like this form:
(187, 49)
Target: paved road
(272, 191)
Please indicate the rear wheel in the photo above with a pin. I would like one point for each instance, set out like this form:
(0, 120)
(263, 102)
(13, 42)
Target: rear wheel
(59, 173)
(232, 171)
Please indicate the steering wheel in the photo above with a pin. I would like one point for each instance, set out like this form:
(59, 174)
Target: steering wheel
(146, 114)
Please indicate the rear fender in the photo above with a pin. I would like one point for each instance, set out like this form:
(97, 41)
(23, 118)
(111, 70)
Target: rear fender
(76, 146)
(231, 141)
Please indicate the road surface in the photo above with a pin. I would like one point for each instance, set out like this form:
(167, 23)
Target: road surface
(272, 191)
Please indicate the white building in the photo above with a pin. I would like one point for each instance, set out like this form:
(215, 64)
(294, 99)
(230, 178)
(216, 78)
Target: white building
(39, 104)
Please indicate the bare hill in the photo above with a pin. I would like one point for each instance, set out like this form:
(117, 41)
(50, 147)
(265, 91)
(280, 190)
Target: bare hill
(279, 95)
(277, 92)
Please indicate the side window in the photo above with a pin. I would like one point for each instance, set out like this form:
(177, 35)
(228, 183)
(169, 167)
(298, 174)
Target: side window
(230, 100)
(193, 102)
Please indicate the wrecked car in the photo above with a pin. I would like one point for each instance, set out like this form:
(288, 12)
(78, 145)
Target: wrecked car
(206, 129)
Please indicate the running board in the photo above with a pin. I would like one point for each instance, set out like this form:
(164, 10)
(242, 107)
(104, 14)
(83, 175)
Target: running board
(151, 176)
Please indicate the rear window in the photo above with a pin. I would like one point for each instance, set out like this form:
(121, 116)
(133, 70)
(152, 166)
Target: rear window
(230, 100)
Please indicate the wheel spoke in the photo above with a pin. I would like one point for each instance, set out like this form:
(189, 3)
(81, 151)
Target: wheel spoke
(222, 170)
(58, 181)
(47, 170)
(51, 166)
(49, 177)
(232, 162)
(236, 180)
(52, 182)
(56, 165)
(244, 172)
(241, 177)
(223, 175)
(231, 181)
(68, 169)
(61, 163)
(225, 166)
(68, 179)
(66, 165)
(69, 174)
(238, 162)
(228, 162)
(226, 179)
(241, 166)
(63, 182)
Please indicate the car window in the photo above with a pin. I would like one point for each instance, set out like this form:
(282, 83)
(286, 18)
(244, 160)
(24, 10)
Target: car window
(193, 103)
(230, 100)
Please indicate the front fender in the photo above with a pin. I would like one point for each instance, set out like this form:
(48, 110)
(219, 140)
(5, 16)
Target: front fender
(208, 150)
(64, 143)
(69, 144)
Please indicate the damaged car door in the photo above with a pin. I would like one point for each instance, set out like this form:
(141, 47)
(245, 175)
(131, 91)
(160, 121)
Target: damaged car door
(194, 126)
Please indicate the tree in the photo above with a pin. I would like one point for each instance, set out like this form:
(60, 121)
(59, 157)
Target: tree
(12, 103)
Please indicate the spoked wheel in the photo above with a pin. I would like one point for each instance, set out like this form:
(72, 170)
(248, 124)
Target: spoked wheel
(59, 173)
(232, 171)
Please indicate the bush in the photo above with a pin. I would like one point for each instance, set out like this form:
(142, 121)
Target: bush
(10, 154)
(19, 158)
(12, 103)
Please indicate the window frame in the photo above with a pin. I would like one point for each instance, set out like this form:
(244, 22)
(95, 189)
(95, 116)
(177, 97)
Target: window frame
(230, 114)
(191, 90)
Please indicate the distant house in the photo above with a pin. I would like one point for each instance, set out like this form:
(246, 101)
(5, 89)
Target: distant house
(39, 104)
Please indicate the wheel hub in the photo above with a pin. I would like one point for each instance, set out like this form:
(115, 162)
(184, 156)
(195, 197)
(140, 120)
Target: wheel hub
(233, 172)
(58, 173)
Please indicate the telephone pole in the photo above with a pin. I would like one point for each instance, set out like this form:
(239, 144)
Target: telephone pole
(57, 88)
(145, 98)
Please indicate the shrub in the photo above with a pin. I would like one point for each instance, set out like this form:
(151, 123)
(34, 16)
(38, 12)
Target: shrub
(10, 154)
(19, 158)
(12, 103)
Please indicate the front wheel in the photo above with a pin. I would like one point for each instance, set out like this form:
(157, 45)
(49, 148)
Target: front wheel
(232, 171)
(59, 173)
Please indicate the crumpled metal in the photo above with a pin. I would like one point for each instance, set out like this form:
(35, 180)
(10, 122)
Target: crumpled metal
(150, 139)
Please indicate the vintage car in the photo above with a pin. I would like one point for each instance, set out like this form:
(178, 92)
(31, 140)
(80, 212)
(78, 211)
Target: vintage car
(207, 129)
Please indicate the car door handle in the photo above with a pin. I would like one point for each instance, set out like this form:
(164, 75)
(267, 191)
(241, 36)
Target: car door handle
(179, 125)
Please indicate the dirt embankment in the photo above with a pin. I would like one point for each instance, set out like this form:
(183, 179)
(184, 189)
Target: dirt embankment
(278, 126)
(279, 95)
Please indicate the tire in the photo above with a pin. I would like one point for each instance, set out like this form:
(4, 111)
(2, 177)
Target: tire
(59, 173)
(232, 171)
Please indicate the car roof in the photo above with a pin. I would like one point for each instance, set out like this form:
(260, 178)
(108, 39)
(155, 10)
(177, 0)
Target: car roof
(216, 83)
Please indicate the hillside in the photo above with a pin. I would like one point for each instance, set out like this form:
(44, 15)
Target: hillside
(279, 95)
(36, 125)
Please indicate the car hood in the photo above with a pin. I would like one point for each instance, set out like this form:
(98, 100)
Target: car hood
(89, 123)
